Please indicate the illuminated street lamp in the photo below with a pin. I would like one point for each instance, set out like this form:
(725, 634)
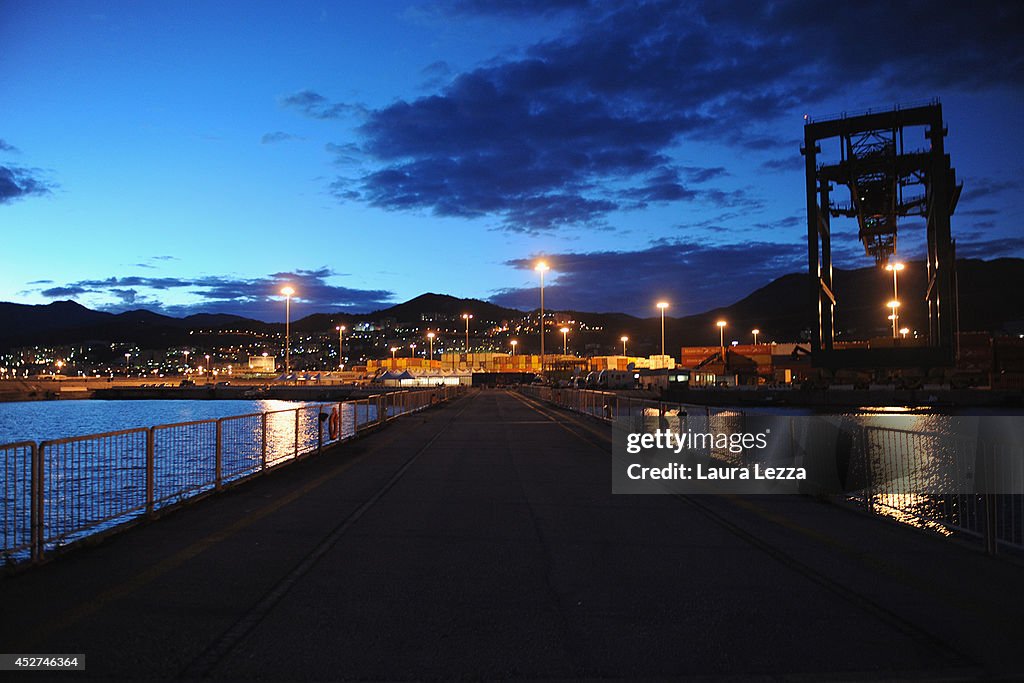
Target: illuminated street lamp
(467, 317)
(623, 339)
(430, 337)
(895, 316)
(394, 363)
(207, 367)
(541, 268)
(721, 333)
(565, 341)
(904, 331)
(513, 343)
(662, 305)
(755, 332)
(287, 291)
(186, 359)
(126, 366)
(412, 350)
(341, 331)
(60, 364)
(895, 268)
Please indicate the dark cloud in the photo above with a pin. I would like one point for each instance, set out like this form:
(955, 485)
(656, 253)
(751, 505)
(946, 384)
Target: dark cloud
(990, 248)
(251, 297)
(315, 105)
(6, 146)
(588, 122)
(675, 270)
(18, 183)
(71, 291)
(277, 136)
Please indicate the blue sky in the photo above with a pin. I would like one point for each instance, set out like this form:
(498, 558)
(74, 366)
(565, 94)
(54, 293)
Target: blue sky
(193, 157)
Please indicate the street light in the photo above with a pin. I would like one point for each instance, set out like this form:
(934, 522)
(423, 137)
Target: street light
(541, 268)
(513, 343)
(394, 363)
(721, 333)
(186, 360)
(207, 368)
(126, 366)
(430, 336)
(662, 305)
(904, 331)
(287, 291)
(895, 268)
(341, 331)
(565, 341)
(412, 352)
(623, 339)
(894, 316)
(467, 317)
(755, 332)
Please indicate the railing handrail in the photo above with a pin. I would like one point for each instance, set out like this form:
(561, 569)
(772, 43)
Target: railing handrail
(173, 473)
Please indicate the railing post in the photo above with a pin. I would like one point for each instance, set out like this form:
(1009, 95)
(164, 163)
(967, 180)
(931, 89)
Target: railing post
(150, 469)
(296, 454)
(36, 504)
(263, 442)
(991, 529)
(320, 430)
(218, 458)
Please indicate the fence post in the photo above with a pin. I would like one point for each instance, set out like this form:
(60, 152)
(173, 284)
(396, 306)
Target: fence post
(36, 503)
(991, 530)
(319, 430)
(296, 454)
(263, 442)
(869, 478)
(218, 458)
(150, 469)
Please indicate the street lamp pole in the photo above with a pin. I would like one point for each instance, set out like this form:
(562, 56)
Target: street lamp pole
(755, 332)
(541, 268)
(287, 291)
(513, 343)
(895, 268)
(721, 335)
(430, 336)
(565, 341)
(623, 339)
(894, 316)
(662, 305)
(341, 331)
(467, 317)
(412, 352)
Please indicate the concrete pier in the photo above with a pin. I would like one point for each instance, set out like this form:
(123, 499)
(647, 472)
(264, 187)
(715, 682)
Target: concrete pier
(480, 539)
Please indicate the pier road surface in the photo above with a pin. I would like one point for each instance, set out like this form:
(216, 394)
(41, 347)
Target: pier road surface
(480, 539)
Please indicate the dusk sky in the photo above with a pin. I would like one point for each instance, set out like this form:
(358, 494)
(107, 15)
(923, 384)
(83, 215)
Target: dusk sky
(194, 157)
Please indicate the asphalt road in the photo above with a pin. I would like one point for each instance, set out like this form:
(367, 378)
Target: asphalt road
(480, 539)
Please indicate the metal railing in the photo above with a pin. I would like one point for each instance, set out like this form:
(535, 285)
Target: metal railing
(903, 468)
(60, 491)
(894, 472)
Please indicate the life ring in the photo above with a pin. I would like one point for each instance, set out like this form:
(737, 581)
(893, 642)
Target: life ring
(334, 423)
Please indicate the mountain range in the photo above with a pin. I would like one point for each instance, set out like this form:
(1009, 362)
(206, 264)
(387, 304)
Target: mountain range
(991, 299)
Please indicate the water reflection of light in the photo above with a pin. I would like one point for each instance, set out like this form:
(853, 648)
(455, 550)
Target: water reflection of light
(897, 506)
